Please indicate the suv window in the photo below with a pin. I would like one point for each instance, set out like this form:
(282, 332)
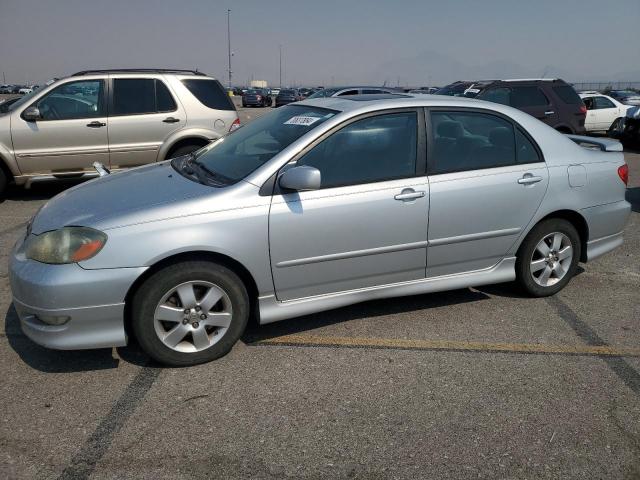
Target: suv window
(136, 96)
(348, 92)
(528, 97)
(369, 150)
(372, 91)
(82, 99)
(602, 102)
(567, 94)
(496, 95)
(470, 141)
(210, 93)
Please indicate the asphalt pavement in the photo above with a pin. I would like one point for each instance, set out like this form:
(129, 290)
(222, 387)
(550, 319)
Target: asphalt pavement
(472, 383)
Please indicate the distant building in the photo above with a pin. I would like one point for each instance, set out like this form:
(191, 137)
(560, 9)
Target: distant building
(258, 84)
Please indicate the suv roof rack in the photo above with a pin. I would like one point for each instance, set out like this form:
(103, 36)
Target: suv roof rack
(138, 70)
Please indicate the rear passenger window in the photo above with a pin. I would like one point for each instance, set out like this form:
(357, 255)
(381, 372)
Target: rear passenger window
(602, 102)
(525, 151)
(369, 150)
(210, 93)
(528, 97)
(371, 92)
(470, 141)
(348, 92)
(137, 96)
(567, 94)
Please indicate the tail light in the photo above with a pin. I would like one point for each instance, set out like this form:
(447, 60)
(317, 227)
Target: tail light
(623, 173)
(235, 125)
(583, 109)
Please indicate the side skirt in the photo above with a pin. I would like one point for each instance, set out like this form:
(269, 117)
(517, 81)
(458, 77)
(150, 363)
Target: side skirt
(271, 310)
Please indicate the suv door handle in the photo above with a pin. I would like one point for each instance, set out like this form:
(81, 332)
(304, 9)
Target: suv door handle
(171, 120)
(409, 194)
(96, 124)
(528, 179)
(549, 112)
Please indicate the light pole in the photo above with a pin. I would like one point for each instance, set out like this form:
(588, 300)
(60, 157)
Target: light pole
(280, 66)
(229, 42)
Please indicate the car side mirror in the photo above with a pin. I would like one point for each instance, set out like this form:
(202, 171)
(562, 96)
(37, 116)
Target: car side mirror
(301, 179)
(31, 114)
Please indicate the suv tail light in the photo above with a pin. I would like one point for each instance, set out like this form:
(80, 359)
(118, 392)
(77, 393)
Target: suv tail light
(583, 109)
(623, 173)
(235, 125)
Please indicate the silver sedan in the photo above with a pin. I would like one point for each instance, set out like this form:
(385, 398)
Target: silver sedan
(314, 206)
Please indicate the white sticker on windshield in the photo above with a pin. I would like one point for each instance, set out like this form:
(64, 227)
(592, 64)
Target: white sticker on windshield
(302, 120)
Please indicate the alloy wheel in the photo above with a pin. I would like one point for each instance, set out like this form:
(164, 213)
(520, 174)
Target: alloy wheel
(551, 259)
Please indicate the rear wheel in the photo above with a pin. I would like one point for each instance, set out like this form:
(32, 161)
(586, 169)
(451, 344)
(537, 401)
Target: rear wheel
(3, 183)
(190, 313)
(616, 126)
(548, 257)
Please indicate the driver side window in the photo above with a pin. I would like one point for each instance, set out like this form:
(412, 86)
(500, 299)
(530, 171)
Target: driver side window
(82, 99)
(373, 149)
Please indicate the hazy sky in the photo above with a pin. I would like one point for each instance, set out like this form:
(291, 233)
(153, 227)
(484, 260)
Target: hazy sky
(326, 42)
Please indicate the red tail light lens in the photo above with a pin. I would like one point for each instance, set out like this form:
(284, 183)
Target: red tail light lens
(583, 109)
(235, 125)
(623, 173)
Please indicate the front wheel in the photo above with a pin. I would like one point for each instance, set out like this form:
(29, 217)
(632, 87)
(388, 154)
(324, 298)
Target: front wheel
(548, 257)
(190, 312)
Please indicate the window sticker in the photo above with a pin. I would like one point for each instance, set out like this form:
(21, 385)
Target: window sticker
(302, 120)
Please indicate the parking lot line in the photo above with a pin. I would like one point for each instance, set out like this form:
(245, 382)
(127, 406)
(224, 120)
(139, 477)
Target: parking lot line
(450, 345)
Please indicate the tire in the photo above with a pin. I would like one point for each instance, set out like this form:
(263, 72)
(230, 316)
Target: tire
(193, 338)
(4, 183)
(615, 127)
(532, 266)
(183, 150)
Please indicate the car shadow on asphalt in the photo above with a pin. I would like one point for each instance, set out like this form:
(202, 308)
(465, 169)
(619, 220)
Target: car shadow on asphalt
(633, 197)
(375, 308)
(39, 191)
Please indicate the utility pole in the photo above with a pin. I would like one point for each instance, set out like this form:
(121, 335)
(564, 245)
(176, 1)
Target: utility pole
(280, 66)
(3, 80)
(229, 42)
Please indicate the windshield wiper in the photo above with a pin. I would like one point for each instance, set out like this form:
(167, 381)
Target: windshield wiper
(217, 177)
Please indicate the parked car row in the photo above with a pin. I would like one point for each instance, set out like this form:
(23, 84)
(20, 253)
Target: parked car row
(60, 130)
(17, 89)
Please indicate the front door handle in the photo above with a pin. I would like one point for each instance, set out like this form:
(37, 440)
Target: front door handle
(409, 194)
(96, 124)
(549, 112)
(528, 179)
(171, 120)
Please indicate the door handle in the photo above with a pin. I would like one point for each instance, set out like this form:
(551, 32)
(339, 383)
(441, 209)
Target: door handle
(409, 194)
(549, 112)
(171, 120)
(96, 124)
(528, 179)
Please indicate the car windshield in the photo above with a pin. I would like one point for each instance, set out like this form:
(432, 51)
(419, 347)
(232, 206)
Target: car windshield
(287, 92)
(625, 93)
(456, 90)
(236, 155)
(327, 92)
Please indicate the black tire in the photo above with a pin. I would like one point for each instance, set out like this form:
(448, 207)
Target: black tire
(4, 183)
(525, 255)
(615, 127)
(154, 289)
(183, 150)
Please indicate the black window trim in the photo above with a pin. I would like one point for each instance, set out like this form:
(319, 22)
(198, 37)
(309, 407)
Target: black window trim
(421, 151)
(430, 138)
(103, 113)
(111, 89)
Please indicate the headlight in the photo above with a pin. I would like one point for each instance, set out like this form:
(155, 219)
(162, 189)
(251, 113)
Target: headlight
(67, 245)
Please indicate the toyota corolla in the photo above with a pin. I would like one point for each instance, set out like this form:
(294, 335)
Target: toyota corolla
(314, 206)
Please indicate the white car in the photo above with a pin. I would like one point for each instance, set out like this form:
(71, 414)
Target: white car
(25, 90)
(602, 111)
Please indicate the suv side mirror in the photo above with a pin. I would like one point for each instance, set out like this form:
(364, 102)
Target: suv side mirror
(31, 114)
(300, 179)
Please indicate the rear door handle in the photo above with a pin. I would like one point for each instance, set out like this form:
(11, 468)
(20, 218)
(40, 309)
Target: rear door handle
(171, 120)
(549, 112)
(409, 194)
(528, 179)
(96, 124)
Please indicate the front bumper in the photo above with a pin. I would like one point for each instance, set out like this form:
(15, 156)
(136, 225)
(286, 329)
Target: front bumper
(93, 300)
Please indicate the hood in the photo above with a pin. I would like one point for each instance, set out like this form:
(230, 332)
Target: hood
(119, 199)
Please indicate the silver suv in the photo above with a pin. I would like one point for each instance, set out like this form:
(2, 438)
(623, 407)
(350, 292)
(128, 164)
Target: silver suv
(120, 118)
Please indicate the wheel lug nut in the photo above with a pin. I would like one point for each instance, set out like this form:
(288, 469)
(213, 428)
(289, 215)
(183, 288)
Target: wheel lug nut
(203, 317)
(186, 310)
(184, 321)
(195, 324)
(198, 309)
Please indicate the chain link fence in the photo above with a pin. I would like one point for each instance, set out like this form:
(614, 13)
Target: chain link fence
(602, 86)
